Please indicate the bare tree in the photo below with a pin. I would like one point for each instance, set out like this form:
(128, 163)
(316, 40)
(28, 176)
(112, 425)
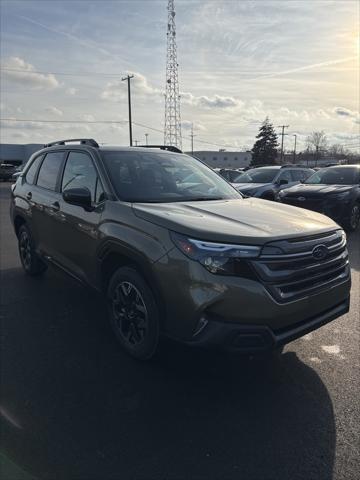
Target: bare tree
(317, 143)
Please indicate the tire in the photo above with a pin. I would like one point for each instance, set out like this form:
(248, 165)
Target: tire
(30, 260)
(134, 314)
(353, 221)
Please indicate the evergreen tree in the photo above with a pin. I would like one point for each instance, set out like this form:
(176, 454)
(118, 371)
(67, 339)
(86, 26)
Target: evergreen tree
(264, 150)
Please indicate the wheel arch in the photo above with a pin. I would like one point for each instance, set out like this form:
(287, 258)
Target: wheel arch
(113, 256)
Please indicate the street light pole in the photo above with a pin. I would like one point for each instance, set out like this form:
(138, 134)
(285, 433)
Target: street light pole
(128, 78)
(294, 135)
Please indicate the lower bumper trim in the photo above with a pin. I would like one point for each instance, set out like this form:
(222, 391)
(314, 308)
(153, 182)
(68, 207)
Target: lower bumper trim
(256, 338)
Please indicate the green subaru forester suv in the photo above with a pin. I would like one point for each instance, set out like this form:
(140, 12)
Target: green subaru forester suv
(176, 250)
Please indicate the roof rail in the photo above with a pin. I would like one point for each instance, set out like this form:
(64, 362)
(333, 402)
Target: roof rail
(169, 148)
(83, 141)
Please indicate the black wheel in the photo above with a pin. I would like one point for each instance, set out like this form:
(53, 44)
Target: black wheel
(31, 262)
(354, 218)
(134, 314)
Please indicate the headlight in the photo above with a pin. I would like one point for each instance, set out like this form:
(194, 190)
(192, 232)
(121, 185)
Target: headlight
(279, 195)
(221, 258)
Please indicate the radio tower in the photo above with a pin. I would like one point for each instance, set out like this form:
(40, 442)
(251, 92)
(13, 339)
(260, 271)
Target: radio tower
(172, 131)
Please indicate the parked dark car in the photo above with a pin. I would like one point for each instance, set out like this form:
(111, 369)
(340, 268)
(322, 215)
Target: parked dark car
(230, 174)
(194, 261)
(333, 191)
(6, 171)
(266, 182)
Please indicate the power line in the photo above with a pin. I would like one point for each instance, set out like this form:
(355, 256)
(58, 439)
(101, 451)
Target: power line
(27, 120)
(70, 74)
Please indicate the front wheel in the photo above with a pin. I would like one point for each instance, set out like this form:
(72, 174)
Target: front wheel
(30, 260)
(354, 218)
(134, 315)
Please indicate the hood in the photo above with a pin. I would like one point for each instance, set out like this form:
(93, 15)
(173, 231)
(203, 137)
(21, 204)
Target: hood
(316, 190)
(247, 187)
(236, 220)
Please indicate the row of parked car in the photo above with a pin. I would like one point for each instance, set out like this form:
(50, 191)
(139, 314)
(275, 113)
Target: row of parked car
(333, 191)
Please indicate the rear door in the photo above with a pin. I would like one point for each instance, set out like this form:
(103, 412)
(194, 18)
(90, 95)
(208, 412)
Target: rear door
(78, 230)
(45, 197)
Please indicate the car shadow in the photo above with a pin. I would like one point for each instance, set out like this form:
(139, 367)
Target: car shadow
(74, 406)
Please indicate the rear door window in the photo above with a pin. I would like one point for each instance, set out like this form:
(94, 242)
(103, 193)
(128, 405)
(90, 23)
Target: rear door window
(49, 170)
(31, 173)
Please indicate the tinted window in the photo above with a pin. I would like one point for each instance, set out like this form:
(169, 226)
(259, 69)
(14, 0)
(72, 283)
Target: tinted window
(31, 173)
(49, 170)
(164, 177)
(285, 175)
(80, 173)
(335, 176)
(298, 175)
(257, 175)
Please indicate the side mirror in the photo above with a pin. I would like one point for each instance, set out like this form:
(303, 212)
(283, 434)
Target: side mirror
(78, 196)
(283, 182)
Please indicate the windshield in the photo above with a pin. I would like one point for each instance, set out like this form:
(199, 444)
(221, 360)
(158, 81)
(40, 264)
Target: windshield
(164, 177)
(335, 176)
(257, 175)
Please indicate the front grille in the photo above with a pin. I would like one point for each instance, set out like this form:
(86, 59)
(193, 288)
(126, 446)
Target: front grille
(317, 205)
(293, 272)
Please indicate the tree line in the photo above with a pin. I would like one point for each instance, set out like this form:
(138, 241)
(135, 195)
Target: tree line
(266, 147)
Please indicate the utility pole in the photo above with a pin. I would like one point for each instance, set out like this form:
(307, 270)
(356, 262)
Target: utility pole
(294, 135)
(136, 142)
(146, 139)
(128, 78)
(282, 140)
(192, 138)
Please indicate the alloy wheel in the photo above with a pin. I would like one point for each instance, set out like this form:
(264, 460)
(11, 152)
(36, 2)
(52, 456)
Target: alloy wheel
(25, 250)
(130, 313)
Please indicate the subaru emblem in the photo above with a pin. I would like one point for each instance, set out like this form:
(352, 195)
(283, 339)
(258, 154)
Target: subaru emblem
(302, 199)
(320, 252)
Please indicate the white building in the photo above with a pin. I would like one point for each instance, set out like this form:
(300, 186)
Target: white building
(223, 158)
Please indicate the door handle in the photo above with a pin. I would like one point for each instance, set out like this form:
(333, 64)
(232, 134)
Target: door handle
(29, 196)
(55, 206)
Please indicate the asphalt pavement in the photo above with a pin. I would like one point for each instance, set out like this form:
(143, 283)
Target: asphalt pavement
(74, 406)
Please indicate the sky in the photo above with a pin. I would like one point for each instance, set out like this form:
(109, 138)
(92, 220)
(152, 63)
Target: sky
(296, 62)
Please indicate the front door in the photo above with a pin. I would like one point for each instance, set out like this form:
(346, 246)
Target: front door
(78, 230)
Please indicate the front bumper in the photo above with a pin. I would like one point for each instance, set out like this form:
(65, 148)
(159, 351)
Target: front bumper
(259, 338)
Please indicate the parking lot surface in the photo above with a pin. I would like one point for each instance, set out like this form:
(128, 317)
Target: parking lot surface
(74, 406)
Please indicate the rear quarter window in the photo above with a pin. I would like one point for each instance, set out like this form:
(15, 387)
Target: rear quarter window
(32, 171)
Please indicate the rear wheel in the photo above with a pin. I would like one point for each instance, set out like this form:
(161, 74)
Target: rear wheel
(30, 260)
(354, 218)
(134, 315)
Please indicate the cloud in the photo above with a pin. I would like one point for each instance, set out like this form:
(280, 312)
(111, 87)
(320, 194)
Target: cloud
(346, 113)
(18, 71)
(187, 125)
(54, 111)
(71, 91)
(116, 90)
(214, 102)
(309, 67)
